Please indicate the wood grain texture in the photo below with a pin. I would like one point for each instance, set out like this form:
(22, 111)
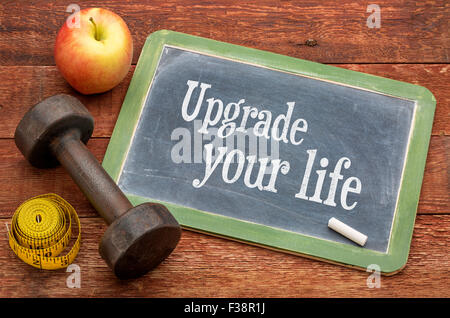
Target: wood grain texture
(434, 198)
(410, 32)
(24, 86)
(232, 269)
(205, 266)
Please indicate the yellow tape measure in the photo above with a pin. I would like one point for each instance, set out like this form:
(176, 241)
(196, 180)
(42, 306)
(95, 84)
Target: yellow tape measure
(41, 228)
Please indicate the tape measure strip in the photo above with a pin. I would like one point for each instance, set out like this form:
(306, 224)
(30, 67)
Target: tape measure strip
(41, 228)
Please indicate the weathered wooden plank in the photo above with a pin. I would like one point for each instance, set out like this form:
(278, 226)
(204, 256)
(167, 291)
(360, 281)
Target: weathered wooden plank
(201, 263)
(412, 32)
(23, 86)
(20, 181)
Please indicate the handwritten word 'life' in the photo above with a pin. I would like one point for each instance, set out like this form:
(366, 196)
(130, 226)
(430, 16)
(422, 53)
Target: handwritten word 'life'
(280, 129)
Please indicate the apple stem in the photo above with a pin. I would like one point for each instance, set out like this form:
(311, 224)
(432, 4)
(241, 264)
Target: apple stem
(95, 28)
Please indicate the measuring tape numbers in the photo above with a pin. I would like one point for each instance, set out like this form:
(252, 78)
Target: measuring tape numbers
(41, 228)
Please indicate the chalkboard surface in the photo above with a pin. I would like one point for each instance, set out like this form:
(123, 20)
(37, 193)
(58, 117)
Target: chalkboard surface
(269, 148)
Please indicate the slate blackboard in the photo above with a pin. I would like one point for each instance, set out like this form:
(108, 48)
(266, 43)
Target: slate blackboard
(359, 125)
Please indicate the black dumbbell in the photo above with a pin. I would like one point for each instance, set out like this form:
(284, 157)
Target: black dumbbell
(138, 238)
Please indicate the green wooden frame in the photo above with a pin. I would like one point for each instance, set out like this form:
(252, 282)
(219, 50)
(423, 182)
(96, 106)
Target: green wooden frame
(402, 228)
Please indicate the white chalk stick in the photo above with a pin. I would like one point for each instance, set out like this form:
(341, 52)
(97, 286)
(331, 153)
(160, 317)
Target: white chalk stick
(347, 231)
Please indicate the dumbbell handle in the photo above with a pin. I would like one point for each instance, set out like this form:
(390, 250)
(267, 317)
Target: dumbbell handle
(89, 175)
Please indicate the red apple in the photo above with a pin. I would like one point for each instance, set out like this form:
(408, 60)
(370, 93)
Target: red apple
(95, 54)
